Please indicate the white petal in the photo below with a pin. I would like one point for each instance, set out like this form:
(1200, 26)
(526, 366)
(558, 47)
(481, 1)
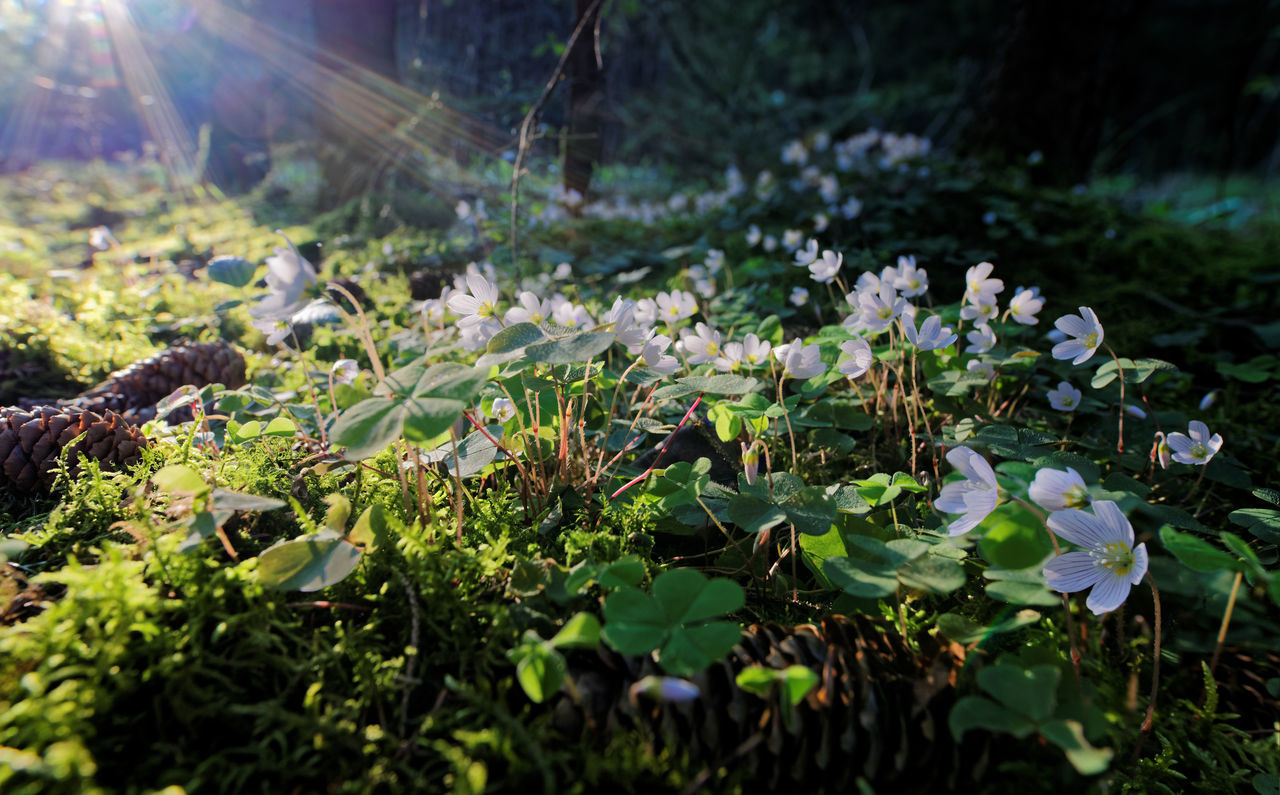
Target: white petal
(1113, 522)
(1080, 528)
(1072, 325)
(1072, 571)
(1140, 563)
(1108, 594)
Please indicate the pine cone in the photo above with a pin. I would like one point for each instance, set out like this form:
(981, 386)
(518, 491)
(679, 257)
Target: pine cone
(134, 391)
(879, 711)
(32, 439)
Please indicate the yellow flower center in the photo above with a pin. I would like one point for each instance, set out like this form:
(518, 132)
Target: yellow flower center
(884, 313)
(1199, 451)
(1091, 341)
(1116, 556)
(712, 349)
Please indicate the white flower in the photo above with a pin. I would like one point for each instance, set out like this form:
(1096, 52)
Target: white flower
(910, 280)
(829, 188)
(476, 336)
(276, 329)
(824, 270)
(714, 260)
(800, 361)
(1137, 412)
(851, 209)
(987, 369)
(976, 496)
(1024, 306)
(344, 371)
(753, 236)
(932, 335)
(1209, 399)
(478, 305)
(981, 339)
(795, 153)
(799, 296)
(1108, 562)
(676, 306)
(770, 243)
(1055, 490)
(502, 409)
(755, 351)
(701, 345)
(791, 239)
(1197, 448)
(622, 317)
(100, 237)
(654, 355)
(860, 358)
(432, 311)
(820, 222)
(571, 315)
(646, 312)
(979, 287)
(980, 312)
(807, 254)
(730, 358)
(1084, 335)
(1065, 397)
(878, 309)
(531, 309)
(288, 277)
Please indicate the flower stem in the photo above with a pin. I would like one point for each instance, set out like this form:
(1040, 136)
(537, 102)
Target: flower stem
(640, 478)
(1155, 663)
(1226, 621)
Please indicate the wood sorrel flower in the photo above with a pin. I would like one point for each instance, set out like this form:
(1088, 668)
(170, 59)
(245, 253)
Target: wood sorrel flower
(1084, 335)
(976, 496)
(1055, 490)
(1065, 397)
(1108, 563)
(1197, 448)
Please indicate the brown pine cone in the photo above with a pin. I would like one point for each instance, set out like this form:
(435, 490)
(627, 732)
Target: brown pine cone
(32, 439)
(879, 711)
(134, 391)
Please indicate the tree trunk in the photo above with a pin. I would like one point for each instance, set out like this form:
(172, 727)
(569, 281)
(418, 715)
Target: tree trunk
(586, 100)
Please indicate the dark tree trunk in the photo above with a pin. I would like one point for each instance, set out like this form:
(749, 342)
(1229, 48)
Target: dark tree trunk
(355, 40)
(586, 100)
(1049, 91)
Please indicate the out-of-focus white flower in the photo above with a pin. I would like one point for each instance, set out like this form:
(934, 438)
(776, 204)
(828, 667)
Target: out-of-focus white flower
(981, 339)
(100, 237)
(755, 351)
(646, 312)
(800, 361)
(979, 286)
(770, 243)
(714, 261)
(824, 270)
(664, 688)
(975, 497)
(799, 296)
(829, 188)
(730, 358)
(792, 238)
(1209, 399)
(288, 277)
(987, 369)
(820, 222)
(821, 140)
(982, 312)
(476, 306)
(851, 209)
(877, 310)
(477, 335)
(794, 153)
(860, 358)
(502, 409)
(563, 272)
(529, 309)
(676, 306)
(571, 315)
(1084, 335)
(807, 254)
(1136, 412)
(1065, 397)
(931, 336)
(344, 371)
(1024, 306)
(1055, 490)
(1108, 563)
(701, 345)
(910, 280)
(654, 355)
(753, 235)
(1196, 449)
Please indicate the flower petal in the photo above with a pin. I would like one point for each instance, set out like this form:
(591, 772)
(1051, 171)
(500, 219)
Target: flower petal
(1079, 527)
(1108, 594)
(1113, 522)
(1140, 563)
(1072, 571)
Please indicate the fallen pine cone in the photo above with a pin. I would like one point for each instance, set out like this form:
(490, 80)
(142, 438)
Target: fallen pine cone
(32, 439)
(878, 713)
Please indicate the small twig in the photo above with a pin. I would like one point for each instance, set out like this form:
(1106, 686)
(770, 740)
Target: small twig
(1226, 621)
(640, 478)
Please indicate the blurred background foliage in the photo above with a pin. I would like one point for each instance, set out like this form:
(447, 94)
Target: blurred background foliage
(1139, 87)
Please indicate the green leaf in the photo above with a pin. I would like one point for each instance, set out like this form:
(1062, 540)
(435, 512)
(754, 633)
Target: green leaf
(1069, 736)
(474, 453)
(1013, 544)
(692, 649)
(797, 681)
(368, 427)
(932, 573)
(976, 712)
(233, 271)
(961, 630)
(622, 572)
(757, 679)
(721, 384)
(425, 418)
(582, 631)
(540, 669)
(687, 596)
(308, 563)
(754, 515)
(335, 518)
(1028, 691)
(509, 344)
(370, 530)
(282, 427)
(1262, 522)
(242, 433)
(178, 479)
(815, 549)
(634, 622)
(860, 579)
(1195, 553)
(1023, 593)
(228, 500)
(810, 510)
(574, 349)
(451, 381)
